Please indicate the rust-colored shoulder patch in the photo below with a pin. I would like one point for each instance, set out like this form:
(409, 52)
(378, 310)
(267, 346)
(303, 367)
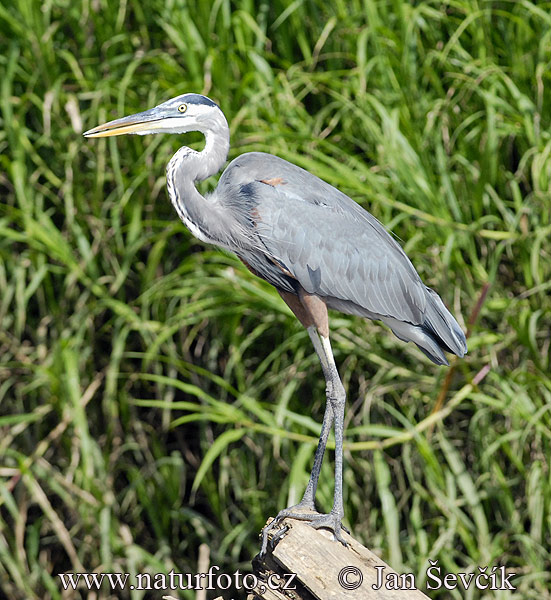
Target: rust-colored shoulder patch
(274, 181)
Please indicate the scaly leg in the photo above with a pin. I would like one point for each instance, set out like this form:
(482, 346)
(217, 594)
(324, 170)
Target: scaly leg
(336, 397)
(334, 412)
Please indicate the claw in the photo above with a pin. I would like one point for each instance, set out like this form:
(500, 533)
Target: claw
(278, 536)
(303, 512)
(331, 521)
(265, 531)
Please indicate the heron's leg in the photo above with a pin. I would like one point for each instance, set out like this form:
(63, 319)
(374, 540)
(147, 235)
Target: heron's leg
(310, 492)
(334, 412)
(336, 397)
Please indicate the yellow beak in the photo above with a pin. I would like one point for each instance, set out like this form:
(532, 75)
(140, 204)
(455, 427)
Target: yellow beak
(137, 123)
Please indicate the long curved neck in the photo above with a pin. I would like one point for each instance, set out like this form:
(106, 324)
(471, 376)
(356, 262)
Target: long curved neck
(201, 165)
(186, 168)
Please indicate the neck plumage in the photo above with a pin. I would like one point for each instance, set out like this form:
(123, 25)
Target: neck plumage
(186, 168)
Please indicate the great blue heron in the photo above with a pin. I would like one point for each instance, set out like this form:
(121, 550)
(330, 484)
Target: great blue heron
(319, 248)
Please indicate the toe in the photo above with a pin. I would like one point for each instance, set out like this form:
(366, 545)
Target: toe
(331, 522)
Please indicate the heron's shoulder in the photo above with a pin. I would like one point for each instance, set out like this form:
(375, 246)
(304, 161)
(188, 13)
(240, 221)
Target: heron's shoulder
(261, 166)
(258, 160)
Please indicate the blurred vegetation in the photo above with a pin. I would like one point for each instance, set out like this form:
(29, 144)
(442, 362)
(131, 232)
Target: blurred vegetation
(155, 396)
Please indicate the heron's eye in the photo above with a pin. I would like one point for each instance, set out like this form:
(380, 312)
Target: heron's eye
(182, 108)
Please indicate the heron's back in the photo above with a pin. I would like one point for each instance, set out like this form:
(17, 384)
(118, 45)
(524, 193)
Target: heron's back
(314, 236)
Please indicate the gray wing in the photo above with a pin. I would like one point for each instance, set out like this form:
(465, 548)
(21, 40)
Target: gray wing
(323, 239)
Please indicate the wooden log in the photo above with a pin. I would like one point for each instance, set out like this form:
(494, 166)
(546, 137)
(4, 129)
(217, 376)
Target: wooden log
(324, 569)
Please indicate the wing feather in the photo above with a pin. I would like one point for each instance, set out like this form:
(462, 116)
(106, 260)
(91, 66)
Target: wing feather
(311, 227)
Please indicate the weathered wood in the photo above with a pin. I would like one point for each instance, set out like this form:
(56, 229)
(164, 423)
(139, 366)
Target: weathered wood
(326, 570)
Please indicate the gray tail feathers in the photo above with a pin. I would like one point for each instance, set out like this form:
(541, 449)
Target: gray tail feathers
(439, 332)
(444, 330)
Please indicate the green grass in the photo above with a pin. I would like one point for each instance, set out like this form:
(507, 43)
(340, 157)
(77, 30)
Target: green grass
(155, 396)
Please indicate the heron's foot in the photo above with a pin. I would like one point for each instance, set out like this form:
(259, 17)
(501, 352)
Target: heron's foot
(304, 512)
(331, 521)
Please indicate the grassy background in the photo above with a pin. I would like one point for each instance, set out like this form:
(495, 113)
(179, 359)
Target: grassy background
(155, 396)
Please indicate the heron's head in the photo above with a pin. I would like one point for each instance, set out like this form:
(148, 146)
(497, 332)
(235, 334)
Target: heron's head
(188, 112)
